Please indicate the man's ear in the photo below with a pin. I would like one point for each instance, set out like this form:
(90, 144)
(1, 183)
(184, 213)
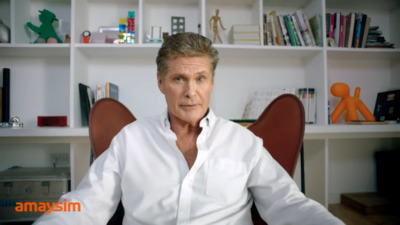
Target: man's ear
(160, 83)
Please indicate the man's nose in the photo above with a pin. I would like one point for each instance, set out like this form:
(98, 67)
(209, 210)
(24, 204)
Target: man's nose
(191, 87)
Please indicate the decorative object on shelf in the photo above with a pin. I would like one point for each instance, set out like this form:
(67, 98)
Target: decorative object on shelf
(122, 30)
(46, 30)
(5, 36)
(67, 39)
(350, 104)
(52, 121)
(98, 37)
(5, 96)
(165, 36)
(111, 34)
(13, 123)
(86, 36)
(156, 35)
(214, 20)
(177, 24)
(130, 28)
(387, 106)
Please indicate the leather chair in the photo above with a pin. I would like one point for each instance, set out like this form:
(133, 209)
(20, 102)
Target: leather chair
(281, 126)
(107, 117)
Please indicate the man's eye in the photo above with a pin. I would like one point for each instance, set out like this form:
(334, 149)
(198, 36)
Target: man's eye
(201, 79)
(178, 78)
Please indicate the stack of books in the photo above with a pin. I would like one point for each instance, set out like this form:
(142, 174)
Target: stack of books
(261, 98)
(375, 39)
(351, 31)
(288, 30)
(88, 97)
(245, 34)
(107, 90)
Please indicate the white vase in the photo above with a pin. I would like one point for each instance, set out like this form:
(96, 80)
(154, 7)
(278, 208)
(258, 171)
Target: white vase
(4, 33)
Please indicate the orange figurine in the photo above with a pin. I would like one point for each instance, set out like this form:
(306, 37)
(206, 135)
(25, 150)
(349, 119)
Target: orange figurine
(351, 104)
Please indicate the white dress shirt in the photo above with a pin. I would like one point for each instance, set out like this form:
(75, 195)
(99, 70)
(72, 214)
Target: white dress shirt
(145, 168)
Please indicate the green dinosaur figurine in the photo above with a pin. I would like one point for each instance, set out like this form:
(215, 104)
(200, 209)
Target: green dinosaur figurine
(46, 31)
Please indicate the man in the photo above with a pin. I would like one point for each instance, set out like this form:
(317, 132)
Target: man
(187, 166)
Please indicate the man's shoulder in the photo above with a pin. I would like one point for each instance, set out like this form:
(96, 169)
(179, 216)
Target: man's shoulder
(232, 127)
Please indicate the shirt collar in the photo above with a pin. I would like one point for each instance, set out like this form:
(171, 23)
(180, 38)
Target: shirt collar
(208, 120)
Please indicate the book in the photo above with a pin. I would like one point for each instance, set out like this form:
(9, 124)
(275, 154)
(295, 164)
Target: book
(5, 103)
(336, 29)
(357, 30)
(316, 29)
(245, 28)
(308, 97)
(365, 34)
(111, 90)
(278, 29)
(332, 19)
(244, 33)
(350, 18)
(85, 102)
(284, 30)
(327, 24)
(291, 32)
(1, 104)
(363, 21)
(304, 31)
(264, 29)
(309, 30)
(297, 31)
(342, 30)
(270, 40)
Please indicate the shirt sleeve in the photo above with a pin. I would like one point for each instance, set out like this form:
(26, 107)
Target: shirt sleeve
(96, 197)
(279, 200)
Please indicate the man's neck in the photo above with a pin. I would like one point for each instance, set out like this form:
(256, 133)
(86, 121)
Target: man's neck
(186, 138)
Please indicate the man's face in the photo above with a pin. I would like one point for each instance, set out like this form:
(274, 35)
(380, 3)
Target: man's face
(187, 87)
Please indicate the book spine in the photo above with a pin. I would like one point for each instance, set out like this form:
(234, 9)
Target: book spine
(6, 95)
(297, 31)
(351, 18)
(284, 31)
(316, 29)
(290, 29)
(365, 35)
(311, 105)
(278, 29)
(341, 31)
(310, 33)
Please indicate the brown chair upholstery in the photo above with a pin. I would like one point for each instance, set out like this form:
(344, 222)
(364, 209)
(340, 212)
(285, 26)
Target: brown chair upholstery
(107, 117)
(281, 126)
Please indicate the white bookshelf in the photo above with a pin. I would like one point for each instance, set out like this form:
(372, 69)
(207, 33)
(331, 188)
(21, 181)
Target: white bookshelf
(45, 77)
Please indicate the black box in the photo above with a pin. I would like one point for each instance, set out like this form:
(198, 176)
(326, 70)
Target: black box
(387, 106)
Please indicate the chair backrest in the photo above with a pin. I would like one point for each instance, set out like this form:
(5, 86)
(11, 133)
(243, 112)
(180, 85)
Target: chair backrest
(107, 117)
(281, 126)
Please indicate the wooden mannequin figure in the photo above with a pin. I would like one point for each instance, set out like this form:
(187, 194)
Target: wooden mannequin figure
(351, 104)
(214, 20)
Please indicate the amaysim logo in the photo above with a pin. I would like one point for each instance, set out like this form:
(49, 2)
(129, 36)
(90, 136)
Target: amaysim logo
(48, 207)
